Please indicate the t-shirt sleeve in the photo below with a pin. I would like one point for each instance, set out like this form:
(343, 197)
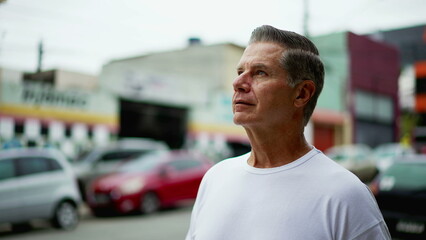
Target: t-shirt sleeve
(197, 205)
(376, 232)
(363, 219)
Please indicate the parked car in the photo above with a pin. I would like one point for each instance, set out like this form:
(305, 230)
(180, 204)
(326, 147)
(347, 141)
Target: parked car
(356, 158)
(153, 181)
(401, 195)
(37, 184)
(100, 161)
(385, 154)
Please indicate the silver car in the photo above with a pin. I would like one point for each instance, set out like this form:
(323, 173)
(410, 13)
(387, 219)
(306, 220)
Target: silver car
(37, 183)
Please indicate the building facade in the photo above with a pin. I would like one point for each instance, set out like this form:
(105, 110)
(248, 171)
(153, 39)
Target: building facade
(360, 90)
(411, 44)
(183, 97)
(55, 107)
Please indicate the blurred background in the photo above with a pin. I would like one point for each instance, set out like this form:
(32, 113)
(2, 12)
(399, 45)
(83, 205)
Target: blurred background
(82, 76)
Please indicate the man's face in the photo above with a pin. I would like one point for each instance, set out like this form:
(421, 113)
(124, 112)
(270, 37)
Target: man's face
(261, 93)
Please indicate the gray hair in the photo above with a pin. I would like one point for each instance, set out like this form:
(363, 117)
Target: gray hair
(300, 60)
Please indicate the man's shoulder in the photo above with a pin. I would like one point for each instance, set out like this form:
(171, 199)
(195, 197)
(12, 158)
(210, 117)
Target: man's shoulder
(325, 164)
(237, 160)
(230, 163)
(335, 177)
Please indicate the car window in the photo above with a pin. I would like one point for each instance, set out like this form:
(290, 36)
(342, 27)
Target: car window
(33, 165)
(88, 156)
(117, 156)
(182, 165)
(407, 175)
(338, 157)
(53, 164)
(144, 163)
(348, 155)
(359, 157)
(140, 165)
(7, 169)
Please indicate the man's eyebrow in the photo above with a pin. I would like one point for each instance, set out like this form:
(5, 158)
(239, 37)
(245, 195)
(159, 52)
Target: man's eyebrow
(260, 65)
(256, 65)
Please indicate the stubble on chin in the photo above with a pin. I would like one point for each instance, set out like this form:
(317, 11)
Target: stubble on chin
(236, 119)
(241, 119)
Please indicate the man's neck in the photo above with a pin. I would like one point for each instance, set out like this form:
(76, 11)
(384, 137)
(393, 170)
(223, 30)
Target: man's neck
(276, 148)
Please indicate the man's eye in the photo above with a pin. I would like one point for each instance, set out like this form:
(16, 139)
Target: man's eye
(239, 73)
(261, 73)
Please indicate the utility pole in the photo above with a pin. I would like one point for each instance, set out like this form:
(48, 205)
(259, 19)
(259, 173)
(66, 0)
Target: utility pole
(306, 18)
(40, 56)
(3, 35)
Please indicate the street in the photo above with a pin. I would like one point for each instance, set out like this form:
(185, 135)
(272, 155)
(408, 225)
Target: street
(166, 225)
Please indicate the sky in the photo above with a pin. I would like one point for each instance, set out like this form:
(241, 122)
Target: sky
(83, 35)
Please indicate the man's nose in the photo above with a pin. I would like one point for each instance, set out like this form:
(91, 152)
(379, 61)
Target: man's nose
(242, 83)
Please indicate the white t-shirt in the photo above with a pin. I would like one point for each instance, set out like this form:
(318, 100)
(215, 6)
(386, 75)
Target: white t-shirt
(310, 198)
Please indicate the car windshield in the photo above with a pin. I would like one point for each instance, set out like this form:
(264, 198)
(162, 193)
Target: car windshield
(410, 176)
(391, 150)
(121, 155)
(385, 152)
(345, 153)
(87, 156)
(110, 155)
(144, 163)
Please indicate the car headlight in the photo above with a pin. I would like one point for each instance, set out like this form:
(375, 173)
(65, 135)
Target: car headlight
(131, 186)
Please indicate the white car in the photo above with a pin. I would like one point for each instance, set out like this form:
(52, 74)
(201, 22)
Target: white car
(356, 158)
(37, 183)
(385, 154)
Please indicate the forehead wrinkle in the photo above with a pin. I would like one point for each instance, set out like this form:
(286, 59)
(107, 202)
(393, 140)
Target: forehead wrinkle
(260, 65)
(260, 58)
(254, 65)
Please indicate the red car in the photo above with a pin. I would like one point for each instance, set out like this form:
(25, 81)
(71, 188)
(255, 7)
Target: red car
(153, 181)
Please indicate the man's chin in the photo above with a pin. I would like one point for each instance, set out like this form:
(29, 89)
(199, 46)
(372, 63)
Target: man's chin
(239, 120)
(236, 121)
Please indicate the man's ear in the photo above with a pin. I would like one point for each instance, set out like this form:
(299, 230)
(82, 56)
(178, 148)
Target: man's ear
(304, 92)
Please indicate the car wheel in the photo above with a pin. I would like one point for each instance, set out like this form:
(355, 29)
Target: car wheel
(149, 203)
(65, 216)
